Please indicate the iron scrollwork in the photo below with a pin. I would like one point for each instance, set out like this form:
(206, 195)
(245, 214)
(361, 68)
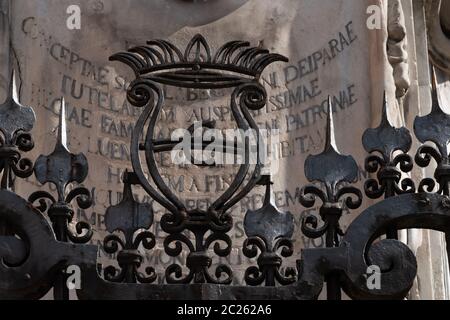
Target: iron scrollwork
(334, 172)
(61, 168)
(162, 63)
(269, 231)
(133, 219)
(392, 145)
(386, 140)
(16, 122)
(434, 127)
(35, 252)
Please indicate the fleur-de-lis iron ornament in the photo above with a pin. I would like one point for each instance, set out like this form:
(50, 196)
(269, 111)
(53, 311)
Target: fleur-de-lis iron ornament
(132, 219)
(334, 172)
(268, 230)
(392, 145)
(61, 168)
(16, 121)
(434, 127)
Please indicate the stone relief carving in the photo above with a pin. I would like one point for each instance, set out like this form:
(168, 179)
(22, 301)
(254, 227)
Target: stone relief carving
(438, 25)
(396, 47)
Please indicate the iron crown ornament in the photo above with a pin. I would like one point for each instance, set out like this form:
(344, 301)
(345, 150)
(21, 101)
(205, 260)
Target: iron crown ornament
(162, 62)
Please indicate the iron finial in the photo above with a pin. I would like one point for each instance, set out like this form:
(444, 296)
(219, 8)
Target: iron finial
(435, 126)
(61, 167)
(269, 230)
(15, 118)
(323, 167)
(386, 138)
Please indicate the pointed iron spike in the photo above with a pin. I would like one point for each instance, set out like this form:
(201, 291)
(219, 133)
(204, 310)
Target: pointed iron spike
(125, 176)
(434, 92)
(384, 114)
(267, 195)
(330, 137)
(127, 191)
(267, 181)
(13, 95)
(62, 127)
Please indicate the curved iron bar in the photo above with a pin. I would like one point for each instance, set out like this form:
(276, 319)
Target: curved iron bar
(254, 99)
(244, 92)
(141, 94)
(44, 256)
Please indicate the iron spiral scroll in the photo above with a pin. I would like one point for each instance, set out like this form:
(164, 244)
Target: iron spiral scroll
(34, 252)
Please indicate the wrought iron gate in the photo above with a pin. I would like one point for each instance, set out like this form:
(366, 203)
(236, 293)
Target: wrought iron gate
(37, 244)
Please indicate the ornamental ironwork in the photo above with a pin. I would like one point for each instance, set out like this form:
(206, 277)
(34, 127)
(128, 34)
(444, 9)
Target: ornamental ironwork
(38, 242)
